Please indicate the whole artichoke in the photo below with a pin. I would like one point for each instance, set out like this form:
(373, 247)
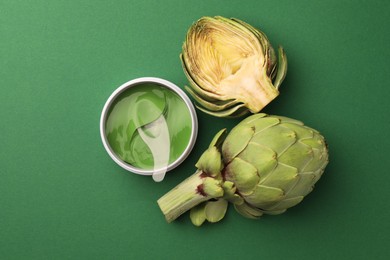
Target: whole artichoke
(265, 165)
(231, 67)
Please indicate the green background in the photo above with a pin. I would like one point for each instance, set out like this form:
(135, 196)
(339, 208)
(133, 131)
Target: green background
(62, 197)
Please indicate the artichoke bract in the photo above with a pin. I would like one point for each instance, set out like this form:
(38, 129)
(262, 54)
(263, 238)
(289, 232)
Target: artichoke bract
(265, 165)
(231, 67)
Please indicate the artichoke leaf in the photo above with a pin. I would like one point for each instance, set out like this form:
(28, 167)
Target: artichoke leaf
(243, 174)
(317, 142)
(304, 185)
(212, 105)
(301, 133)
(236, 142)
(212, 187)
(201, 93)
(277, 138)
(248, 211)
(283, 205)
(284, 119)
(242, 111)
(262, 196)
(283, 177)
(261, 157)
(198, 214)
(253, 119)
(235, 199)
(282, 68)
(320, 158)
(229, 188)
(210, 162)
(299, 155)
(261, 125)
(215, 210)
(230, 193)
(218, 138)
(226, 113)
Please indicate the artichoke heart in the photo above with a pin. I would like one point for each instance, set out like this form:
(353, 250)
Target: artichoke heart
(231, 67)
(265, 165)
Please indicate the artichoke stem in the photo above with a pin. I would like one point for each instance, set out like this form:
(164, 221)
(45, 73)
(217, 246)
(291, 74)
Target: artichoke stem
(183, 197)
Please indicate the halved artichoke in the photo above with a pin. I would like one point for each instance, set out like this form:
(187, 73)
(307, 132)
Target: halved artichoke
(231, 67)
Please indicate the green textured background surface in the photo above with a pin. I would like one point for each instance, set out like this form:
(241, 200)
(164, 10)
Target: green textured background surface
(62, 197)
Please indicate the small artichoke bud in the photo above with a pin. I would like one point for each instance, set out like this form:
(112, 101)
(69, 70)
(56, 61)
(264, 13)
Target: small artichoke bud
(212, 187)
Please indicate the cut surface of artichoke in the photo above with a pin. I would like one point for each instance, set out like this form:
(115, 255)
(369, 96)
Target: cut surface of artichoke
(229, 63)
